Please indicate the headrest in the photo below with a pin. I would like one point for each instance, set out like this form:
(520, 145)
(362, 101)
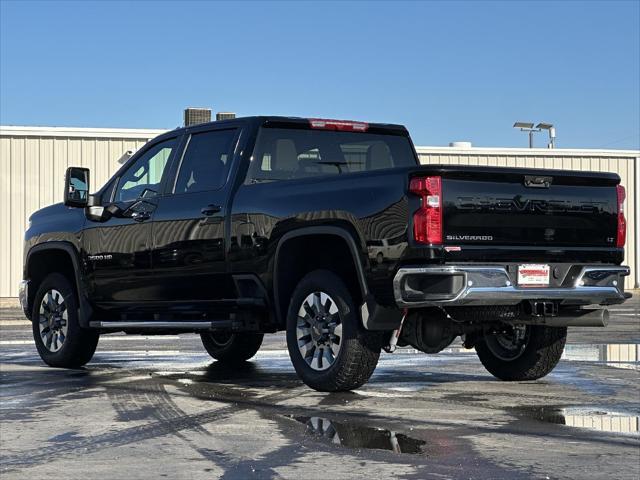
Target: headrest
(286, 155)
(378, 157)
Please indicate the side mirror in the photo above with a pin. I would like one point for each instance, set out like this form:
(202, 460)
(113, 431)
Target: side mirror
(76, 187)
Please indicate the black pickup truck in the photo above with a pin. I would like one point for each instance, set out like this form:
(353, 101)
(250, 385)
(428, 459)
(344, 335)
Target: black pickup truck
(332, 231)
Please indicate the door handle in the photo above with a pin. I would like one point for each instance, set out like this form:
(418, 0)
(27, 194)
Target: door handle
(141, 216)
(210, 209)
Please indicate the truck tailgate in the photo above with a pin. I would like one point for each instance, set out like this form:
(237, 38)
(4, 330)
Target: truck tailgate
(508, 206)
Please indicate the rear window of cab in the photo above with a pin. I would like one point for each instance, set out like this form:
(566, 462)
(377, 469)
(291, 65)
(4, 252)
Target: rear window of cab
(284, 154)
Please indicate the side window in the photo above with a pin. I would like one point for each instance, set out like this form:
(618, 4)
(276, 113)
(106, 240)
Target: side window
(205, 164)
(142, 179)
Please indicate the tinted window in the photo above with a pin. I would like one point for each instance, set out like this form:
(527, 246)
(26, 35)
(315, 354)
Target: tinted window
(145, 175)
(206, 162)
(282, 154)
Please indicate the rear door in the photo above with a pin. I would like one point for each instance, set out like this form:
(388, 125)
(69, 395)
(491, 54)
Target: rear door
(189, 241)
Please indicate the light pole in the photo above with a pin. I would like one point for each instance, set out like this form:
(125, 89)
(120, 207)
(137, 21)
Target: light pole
(527, 127)
(552, 133)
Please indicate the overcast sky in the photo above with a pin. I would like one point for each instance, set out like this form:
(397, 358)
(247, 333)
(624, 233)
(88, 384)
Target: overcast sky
(448, 71)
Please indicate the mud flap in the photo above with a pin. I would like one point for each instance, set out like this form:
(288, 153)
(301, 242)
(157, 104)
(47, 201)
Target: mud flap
(377, 317)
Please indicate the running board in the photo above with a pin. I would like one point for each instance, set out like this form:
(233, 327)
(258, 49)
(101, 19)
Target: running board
(150, 324)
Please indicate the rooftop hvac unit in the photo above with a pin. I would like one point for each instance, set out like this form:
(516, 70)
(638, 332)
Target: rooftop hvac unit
(195, 116)
(225, 115)
(460, 144)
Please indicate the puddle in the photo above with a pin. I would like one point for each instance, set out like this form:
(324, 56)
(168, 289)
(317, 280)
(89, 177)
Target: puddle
(619, 355)
(591, 418)
(356, 436)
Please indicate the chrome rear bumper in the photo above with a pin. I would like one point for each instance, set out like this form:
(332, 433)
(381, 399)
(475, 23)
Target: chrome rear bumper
(492, 285)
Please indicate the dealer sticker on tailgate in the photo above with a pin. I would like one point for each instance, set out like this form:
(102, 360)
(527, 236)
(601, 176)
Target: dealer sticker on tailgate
(533, 275)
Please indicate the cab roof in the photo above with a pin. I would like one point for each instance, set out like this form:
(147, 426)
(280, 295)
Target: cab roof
(299, 123)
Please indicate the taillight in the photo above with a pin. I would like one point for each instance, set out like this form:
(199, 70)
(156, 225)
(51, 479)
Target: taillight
(341, 125)
(427, 220)
(621, 237)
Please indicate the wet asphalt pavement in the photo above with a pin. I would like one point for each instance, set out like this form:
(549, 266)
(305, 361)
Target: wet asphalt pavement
(158, 407)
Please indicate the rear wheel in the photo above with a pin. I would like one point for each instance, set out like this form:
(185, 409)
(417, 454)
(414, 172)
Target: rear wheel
(229, 347)
(329, 348)
(59, 338)
(523, 352)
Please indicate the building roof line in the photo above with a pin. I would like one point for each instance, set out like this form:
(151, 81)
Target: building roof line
(27, 131)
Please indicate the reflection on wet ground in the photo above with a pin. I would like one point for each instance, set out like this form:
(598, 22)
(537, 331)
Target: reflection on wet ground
(592, 418)
(162, 407)
(620, 355)
(353, 435)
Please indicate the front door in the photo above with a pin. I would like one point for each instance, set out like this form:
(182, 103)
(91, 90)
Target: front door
(189, 250)
(117, 252)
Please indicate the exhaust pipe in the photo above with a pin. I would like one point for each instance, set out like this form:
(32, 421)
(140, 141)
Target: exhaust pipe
(578, 318)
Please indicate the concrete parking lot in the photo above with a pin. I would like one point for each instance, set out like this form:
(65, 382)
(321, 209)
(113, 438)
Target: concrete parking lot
(158, 407)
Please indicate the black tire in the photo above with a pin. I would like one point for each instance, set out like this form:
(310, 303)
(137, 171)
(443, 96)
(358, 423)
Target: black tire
(232, 348)
(79, 344)
(540, 353)
(359, 349)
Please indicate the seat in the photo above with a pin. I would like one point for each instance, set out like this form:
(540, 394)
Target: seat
(205, 176)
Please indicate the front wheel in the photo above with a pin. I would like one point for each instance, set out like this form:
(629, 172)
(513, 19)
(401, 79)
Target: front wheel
(329, 348)
(59, 338)
(522, 352)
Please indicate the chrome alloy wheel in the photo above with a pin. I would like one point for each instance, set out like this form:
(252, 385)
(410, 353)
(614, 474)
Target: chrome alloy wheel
(53, 320)
(509, 346)
(319, 331)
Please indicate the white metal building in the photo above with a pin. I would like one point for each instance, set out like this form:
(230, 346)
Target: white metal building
(33, 161)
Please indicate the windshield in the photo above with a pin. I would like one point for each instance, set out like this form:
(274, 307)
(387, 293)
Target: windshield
(283, 154)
